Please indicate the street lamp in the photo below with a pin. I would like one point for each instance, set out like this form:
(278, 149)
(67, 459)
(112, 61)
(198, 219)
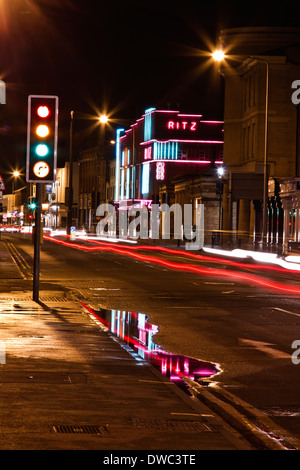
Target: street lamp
(16, 174)
(219, 56)
(103, 119)
(70, 193)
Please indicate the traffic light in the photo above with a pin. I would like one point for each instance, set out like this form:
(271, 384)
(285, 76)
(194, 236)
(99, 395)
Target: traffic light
(42, 128)
(32, 203)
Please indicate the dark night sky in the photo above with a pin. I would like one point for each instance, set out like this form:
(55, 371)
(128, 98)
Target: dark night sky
(120, 56)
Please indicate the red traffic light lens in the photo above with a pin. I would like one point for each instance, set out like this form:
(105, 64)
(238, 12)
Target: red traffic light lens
(43, 111)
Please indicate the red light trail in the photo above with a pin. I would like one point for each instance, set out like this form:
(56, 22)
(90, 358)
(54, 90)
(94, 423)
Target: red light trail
(188, 268)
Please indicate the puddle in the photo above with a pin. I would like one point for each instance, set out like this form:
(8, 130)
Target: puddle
(137, 332)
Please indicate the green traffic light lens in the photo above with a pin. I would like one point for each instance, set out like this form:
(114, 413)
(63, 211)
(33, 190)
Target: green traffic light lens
(42, 150)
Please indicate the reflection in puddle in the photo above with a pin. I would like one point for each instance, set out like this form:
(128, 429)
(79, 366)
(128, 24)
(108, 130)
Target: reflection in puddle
(135, 330)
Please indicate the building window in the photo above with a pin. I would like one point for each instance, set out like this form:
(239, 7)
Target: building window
(244, 143)
(253, 141)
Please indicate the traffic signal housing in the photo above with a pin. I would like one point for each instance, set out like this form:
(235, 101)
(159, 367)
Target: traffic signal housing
(42, 128)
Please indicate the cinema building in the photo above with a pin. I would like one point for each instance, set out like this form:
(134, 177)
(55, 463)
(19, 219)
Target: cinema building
(170, 157)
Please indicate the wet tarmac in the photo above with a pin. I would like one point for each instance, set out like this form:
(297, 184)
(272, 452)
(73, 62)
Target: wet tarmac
(73, 378)
(67, 384)
(137, 335)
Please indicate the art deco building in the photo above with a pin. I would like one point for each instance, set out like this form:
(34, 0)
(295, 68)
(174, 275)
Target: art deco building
(170, 157)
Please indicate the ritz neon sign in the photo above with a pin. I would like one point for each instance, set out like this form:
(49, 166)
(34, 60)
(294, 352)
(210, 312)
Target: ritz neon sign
(185, 125)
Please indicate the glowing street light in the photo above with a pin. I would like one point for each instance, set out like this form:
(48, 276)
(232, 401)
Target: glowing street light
(220, 172)
(103, 119)
(218, 55)
(16, 175)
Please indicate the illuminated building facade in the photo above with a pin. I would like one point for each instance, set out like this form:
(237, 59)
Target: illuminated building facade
(264, 63)
(160, 147)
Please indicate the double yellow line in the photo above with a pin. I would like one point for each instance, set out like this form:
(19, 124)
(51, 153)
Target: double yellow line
(24, 267)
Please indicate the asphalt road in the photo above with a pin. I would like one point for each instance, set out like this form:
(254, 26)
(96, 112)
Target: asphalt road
(246, 328)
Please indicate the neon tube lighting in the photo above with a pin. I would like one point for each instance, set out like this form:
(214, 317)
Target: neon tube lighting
(118, 162)
(165, 111)
(199, 162)
(190, 115)
(213, 122)
(147, 142)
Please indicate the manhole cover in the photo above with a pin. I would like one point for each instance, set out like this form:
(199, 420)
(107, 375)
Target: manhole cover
(170, 425)
(79, 429)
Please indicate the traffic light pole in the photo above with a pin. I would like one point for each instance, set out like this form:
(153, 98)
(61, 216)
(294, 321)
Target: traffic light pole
(37, 242)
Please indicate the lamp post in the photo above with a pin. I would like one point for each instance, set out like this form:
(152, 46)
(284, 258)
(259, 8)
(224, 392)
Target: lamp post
(16, 174)
(266, 175)
(103, 120)
(70, 193)
(219, 56)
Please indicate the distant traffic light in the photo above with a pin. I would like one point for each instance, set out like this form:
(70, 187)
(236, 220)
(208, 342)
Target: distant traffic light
(42, 128)
(32, 203)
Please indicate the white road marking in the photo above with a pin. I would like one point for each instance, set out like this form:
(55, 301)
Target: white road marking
(285, 311)
(266, 348)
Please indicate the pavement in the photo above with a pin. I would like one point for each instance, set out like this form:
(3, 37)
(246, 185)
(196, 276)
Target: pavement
(67, 383)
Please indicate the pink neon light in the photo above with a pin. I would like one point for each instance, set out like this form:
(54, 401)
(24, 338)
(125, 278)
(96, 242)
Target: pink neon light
(184, 141)
(123, 204)
(160, 170)
(165, 111)
(184, 125)
(198, 162)
(190, 115)
(213, 122)
(148, 153)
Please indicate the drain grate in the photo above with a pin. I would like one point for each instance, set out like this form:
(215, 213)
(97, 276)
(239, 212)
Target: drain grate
(54, 299)
(170, 425)
(79, 429)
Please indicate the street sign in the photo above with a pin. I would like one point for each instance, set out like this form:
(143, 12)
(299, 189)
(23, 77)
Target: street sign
(2, 187)
(72, 235)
